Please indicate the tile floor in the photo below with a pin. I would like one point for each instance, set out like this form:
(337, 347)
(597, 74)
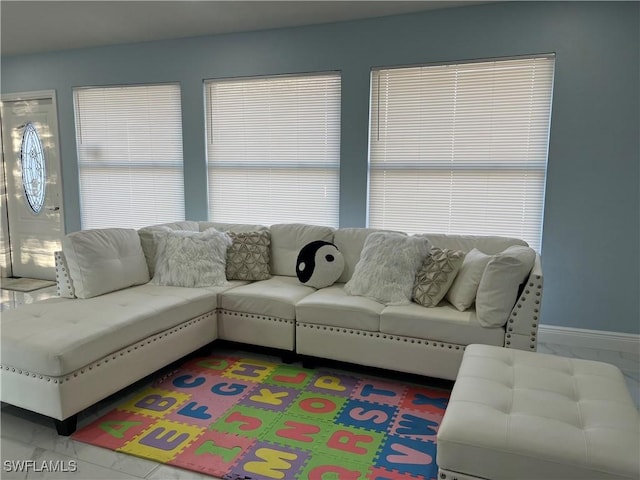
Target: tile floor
(12, 299)
(28, 436)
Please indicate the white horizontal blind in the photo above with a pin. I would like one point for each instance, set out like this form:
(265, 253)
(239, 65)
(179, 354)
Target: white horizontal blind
(130, 155)
(273, 149)
(461, 149)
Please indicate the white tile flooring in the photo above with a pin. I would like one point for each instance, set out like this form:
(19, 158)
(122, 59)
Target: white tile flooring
(28, 436)
(12, 299)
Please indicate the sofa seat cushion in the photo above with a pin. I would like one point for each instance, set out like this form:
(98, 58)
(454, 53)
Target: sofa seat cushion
(58, 336)
(275, 297)
(333, 306)
(443, 324)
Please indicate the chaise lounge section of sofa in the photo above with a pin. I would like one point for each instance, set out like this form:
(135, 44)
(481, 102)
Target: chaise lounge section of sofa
(61, 355)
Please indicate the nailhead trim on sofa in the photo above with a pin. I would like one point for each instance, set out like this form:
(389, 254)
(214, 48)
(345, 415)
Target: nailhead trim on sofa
(385, 336)
(256, 316)
(521, 333)
(257, 329)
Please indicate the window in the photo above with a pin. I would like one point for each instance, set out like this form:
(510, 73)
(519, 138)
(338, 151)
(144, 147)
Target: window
(130, 155)
(462, 148)
(273, 149)
(32, 161)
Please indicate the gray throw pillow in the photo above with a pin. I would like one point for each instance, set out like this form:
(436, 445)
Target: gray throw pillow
(436, 275)
(248, 257)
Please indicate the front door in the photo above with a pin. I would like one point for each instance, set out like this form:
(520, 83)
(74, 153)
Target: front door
(33, 184)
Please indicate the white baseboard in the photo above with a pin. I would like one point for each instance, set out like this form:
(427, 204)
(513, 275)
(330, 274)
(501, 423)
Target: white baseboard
(580, 337)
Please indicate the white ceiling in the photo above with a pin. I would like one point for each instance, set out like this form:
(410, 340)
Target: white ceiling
(39, 26)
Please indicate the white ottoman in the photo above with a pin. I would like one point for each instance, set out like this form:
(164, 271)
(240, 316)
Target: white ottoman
(523, 415)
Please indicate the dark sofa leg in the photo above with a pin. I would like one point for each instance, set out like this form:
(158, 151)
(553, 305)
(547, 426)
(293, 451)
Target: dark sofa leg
(309, 363)
(67, 426)
(289, 357)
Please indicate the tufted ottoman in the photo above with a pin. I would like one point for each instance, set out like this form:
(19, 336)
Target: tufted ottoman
(523, 415)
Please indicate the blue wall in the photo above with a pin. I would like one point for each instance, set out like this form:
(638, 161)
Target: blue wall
(591, 227)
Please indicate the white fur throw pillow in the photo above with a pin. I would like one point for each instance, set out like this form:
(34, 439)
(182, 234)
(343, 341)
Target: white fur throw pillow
(387, 267)
(191, 259)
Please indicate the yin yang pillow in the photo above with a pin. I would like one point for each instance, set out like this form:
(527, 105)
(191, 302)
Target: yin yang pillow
(319, 264)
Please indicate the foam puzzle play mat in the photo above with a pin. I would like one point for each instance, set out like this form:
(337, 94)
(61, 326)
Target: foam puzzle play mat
(235, 417)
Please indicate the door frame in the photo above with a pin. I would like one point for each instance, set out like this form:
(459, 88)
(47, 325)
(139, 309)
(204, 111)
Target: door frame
(15, 97)
(6, 266)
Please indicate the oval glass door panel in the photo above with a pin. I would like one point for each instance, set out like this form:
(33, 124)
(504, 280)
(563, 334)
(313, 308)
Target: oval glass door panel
(33, 168)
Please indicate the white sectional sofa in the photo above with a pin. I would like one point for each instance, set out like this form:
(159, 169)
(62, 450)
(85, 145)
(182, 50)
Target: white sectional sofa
(61, 355)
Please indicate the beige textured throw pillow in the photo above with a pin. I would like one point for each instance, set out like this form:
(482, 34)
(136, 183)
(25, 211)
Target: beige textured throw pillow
(436, 275)
(248, 257)
(500, 283)
(462, 293)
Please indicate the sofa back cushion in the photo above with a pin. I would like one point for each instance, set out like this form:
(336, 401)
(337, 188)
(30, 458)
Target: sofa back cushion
(351, 240)
(149, 239)
(104, 260)
(286, 241)
(490, 245)
(232, 227)
(498, 288)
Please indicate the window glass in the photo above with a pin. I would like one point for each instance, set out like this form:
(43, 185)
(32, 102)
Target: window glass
(273, 149)
(130, 155)
(461, 148)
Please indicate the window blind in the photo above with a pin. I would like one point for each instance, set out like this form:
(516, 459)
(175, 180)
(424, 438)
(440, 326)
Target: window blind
(461, 148)
(273, 149)
(130, 155)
